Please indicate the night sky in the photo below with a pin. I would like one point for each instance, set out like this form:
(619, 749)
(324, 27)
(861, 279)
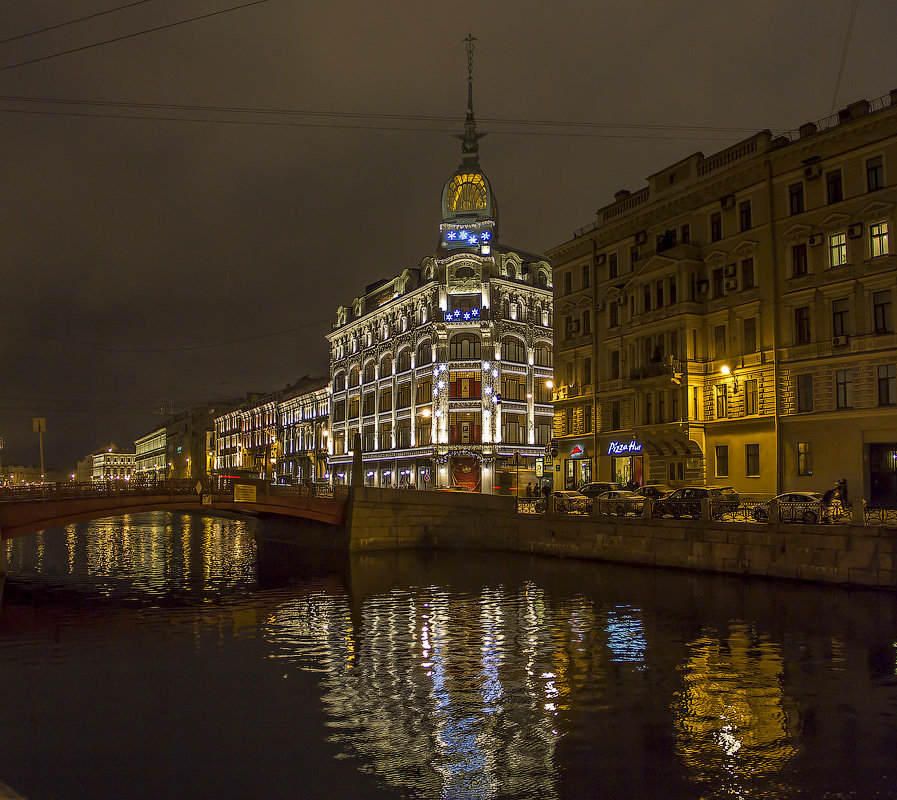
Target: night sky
(167, 244)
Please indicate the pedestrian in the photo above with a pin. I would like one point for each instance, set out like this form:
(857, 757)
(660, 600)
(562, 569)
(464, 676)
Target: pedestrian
(529, 490)
(826, 504)
(841, 488)
(545, 490)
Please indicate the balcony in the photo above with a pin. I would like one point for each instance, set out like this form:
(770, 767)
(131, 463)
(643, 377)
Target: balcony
(668, 366)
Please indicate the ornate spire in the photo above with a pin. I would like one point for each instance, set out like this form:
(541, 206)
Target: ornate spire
(470, 148)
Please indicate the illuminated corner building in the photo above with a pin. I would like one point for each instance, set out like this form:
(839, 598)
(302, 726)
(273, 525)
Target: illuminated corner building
(732, 322)
(442, 369)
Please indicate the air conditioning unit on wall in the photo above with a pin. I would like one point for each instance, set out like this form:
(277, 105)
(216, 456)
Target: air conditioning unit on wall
(855, 231)
(731, 284)
(815, 240)
(812, 171)
(840, 341)
(728, 201)
(600, 259)
(641, 237)
(729, 271)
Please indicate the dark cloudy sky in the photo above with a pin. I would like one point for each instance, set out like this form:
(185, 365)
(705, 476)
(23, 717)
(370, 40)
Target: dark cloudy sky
(136, 239)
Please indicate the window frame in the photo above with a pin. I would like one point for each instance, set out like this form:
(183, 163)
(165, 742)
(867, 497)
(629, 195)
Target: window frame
(837, 250)
(752, 460)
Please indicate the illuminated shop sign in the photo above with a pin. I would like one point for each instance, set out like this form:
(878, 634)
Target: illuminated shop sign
(473, 235)
(624, 448)
(576, 451)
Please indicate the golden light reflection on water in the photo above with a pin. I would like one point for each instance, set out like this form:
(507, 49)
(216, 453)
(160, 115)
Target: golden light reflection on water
(732, 719)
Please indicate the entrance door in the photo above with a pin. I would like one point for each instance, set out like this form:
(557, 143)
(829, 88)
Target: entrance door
(466, 429)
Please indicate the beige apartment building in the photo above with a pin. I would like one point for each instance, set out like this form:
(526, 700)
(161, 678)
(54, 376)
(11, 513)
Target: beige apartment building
(732, 322)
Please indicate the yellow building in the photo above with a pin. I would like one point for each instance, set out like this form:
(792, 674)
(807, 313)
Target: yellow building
(732, 322)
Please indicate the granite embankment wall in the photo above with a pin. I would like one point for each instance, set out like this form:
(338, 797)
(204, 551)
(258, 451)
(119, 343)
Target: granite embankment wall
(389, 519)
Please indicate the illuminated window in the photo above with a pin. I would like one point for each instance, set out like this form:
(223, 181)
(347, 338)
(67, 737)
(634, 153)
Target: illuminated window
(464, 346)
(837, 249)
(466, 193)
(513, 350)
(878, 240)
(722, 402)
(804, 458)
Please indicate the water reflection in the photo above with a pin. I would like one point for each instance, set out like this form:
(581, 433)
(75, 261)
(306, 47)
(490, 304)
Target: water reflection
(731, 719)
(438, 676)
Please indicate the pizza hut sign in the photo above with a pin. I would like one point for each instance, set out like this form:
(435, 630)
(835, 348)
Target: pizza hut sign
(624, 448)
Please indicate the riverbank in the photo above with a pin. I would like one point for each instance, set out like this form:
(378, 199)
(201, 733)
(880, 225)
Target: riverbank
(849, 555)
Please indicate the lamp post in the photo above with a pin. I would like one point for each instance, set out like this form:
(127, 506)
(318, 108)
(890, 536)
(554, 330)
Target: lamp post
(40, 425)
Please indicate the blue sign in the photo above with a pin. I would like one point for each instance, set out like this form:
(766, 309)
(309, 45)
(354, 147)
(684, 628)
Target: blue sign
(624, 448)
(458, 315)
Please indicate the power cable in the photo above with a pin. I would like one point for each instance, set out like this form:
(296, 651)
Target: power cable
(72, 22)
(132, 35)
(847, 38)
(186, 348)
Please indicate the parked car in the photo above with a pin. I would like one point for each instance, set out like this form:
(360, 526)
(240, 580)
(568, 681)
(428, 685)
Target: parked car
(621, 502)
(567, 502)
(686, 502)
(654, 490)
(731, 497)
(599, 487)
(803, 507)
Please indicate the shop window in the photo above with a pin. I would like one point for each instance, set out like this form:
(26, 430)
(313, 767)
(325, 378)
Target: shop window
(424, 433)
(424, 391)
(804, 458)
(464, 346)
(403, 396)
(722, 461)
(465, 384)
(403, 363)
(386, 400)
(752, 460)
(424, 353)
(514, 351)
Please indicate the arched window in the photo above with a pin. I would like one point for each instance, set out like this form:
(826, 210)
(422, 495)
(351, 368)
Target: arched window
(369, 372)
(424, 353)
(403, 362)
(513, 350)
(544, 280)
(464, 272)
(339, 381)
(542, 355)
(353, 376)
(512, 272)
(386, 366)
(464, 346)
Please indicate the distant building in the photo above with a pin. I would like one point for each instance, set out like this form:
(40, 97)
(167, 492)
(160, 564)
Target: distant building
(280, 436)
(112, 465)
(151, 455)
(18, 475)
(189, 442)
(442, 369)
(733, 323)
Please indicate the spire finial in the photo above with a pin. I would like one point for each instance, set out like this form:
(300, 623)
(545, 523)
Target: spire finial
(470, 148)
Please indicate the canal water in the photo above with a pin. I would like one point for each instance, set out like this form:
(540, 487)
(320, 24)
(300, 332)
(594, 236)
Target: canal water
(164, 655)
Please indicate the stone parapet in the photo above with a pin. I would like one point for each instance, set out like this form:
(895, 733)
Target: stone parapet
(395, 519)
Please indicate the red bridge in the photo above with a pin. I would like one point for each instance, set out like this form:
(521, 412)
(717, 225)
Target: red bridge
(31, 509)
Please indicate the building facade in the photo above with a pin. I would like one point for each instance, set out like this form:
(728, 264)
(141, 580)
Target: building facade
(732, 322)
(112, 465)
(280, 436)
(304, 413)
(442, 369)
(151, 456)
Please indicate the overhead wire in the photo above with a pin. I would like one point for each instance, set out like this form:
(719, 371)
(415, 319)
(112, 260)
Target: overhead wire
(847, 38)
(132, 35)
(73, 21)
